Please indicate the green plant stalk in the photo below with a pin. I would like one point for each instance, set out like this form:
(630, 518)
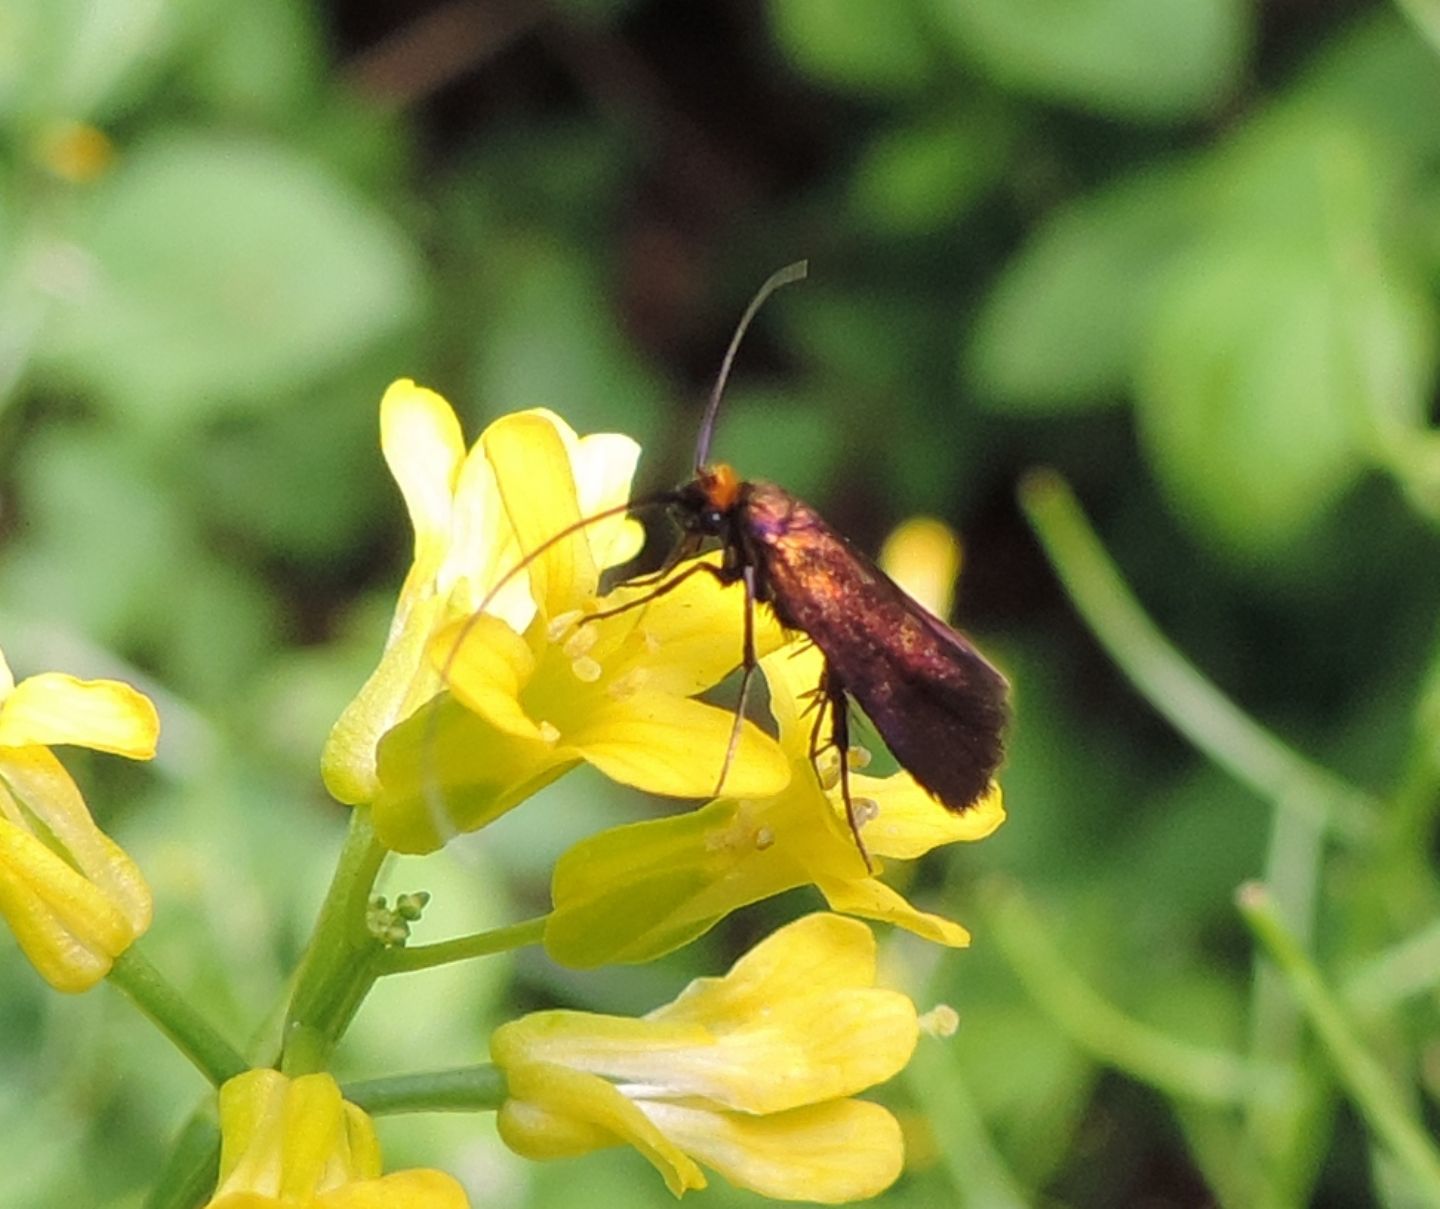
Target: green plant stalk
(1409, 968)
(173, 1015)
(978, 1175)
(193, 1166)
(462, 948)
(1367, 1082)
(1190, 1072)
(339, 965)
(1173, 685)
(1283, 1158)
(479, 1088)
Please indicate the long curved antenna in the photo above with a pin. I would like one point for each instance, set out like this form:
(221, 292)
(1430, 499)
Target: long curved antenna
(781, 277)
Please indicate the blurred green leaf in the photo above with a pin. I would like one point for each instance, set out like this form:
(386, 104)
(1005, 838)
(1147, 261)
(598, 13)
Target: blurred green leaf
(84, 59)
(1379, 76)
(99, 541)
(1277, 340)
(855, 44)
(551, 340)
(1148, 60)
(228, 272)
(263, 58)
(922, 177)
(1064, 324)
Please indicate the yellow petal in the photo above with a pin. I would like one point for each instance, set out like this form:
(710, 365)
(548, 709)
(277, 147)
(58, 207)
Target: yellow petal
(7, 679)
(423, 447)
(585, 1100)
(105, 715)
(445, 771)
(487, 666)
(311, 1136)
(537, 486)
(787, 1050)
(843, 1150)
(873, 899)
(692, 636)
(65, 926)
(482, 566)
(793, 673)
(923, 557)
(400, 682)
(417, 1189)
(35, 785)
(632, 893)
(909, 822)
(676, 746)
(604, 465)
(816, 952)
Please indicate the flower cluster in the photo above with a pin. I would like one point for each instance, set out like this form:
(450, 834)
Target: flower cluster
(508, 662)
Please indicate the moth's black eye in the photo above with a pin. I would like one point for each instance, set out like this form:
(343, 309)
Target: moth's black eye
(712, 520)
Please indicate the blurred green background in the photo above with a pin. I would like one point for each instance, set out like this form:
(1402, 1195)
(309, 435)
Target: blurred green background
(1184, 251)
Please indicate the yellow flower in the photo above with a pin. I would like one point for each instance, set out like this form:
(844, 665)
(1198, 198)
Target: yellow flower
(464, 543)
(298, 1144)
(749, 1074)
(74, 900)
(534, 689)
(634, 892)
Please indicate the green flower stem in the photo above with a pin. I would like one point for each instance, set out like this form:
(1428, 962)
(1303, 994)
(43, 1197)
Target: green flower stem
(193, 1166)
(1173, 685)
(1178, 1069)
(174, 1016)
(978, 1175)
(462, 948)
(469, 1089)
(1282, 1157)
(339, 965)
(1377, 1097)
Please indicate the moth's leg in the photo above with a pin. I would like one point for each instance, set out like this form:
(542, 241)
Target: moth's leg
(662, 590)
(748, 662)
(839, 704)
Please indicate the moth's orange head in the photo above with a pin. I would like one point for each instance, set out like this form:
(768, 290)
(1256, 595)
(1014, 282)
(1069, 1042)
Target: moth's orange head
(721, 486)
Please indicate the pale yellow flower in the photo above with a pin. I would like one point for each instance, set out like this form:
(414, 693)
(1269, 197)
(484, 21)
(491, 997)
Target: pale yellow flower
(535, 689)
(465, 541)
(750, 1075)
(72, 897)
(296, 1144)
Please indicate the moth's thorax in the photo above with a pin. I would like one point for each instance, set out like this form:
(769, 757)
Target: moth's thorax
(772, 513)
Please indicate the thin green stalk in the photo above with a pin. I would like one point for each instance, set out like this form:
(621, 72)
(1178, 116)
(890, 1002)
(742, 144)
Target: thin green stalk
(479, 1088)
(1283, 1157)
(1178, 1069)
(173, 1015)
(977, 1172)
(1409, 968)
(1173, 685)
(1370, 1087)
(192, 1167)
(340, 962)
(462, 948)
